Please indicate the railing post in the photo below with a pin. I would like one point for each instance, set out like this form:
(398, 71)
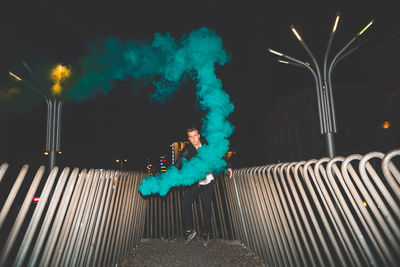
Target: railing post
(240, 209)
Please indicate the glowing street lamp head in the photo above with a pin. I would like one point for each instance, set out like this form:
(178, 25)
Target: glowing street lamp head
(283, 61)
(14, 76)
(365, 28)
(336, 22)
(296, 33)
(58, 74)
(275, 52)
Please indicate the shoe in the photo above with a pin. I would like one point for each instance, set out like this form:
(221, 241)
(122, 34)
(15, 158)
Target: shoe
(205, 239)
(189, 236)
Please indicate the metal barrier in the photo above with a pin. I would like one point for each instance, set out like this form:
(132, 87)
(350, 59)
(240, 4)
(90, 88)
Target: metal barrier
(87, 218)
(326, 212)
(322, 212)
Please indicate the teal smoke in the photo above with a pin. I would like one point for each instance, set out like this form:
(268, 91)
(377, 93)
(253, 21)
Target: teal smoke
(196, 56)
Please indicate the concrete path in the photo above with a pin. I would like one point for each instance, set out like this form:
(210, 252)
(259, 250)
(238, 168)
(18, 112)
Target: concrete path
(155, 252)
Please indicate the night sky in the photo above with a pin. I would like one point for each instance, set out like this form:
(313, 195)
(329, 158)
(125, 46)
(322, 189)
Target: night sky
(126, 124)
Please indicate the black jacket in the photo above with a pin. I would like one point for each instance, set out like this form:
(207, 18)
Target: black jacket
(188, 152)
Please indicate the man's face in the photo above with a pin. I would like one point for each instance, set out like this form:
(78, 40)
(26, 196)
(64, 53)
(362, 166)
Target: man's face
(194, 138)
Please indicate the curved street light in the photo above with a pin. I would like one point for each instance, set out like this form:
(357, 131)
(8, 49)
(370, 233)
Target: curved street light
(325, 100)
(53, 128)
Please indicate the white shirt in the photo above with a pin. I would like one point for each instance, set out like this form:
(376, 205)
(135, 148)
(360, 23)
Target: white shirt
(207, 180)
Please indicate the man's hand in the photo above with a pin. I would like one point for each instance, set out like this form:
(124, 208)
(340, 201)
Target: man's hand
(230, 173)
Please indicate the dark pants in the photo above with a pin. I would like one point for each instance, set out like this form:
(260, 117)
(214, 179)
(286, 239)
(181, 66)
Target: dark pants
(190, 194)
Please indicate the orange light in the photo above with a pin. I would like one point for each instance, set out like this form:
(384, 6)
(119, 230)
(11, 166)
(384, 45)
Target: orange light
(58, 74)
(117, 160)
(386, 125)
(59, 152)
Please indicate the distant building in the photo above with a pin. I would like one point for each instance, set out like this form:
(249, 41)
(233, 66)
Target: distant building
(150, 168)
(163, 163)
(176, 148)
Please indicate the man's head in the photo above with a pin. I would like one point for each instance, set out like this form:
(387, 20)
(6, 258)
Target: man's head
(194, 136)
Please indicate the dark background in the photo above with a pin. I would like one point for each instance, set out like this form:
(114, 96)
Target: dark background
(124, 124)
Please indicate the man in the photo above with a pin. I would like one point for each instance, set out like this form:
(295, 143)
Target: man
(191, 192)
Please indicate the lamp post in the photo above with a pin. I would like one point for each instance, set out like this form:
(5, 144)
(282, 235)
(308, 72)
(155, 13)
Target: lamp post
(323, 81)
(53, 128)
(121, 161)
(53, 132)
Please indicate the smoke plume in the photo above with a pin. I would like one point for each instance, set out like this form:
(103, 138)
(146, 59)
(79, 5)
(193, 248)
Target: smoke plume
(196, 56)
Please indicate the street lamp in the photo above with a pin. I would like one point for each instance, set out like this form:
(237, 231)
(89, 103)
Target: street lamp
(121, 161)
(323, 82)
(54, 105)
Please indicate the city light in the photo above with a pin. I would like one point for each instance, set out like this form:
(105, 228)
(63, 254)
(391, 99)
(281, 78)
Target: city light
(275, 52)
(121, 162)
(46, 153)
(296, 33)
(336, 23)
(14, 76)
(58, 74)
(163, 163)
(283, 61)
(386, 125)
(365, 28)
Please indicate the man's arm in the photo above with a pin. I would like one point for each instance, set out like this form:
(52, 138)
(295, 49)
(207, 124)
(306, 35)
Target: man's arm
(183, 154)
(230, 172)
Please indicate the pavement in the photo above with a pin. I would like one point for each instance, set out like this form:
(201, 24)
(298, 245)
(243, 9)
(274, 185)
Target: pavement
(156, 252)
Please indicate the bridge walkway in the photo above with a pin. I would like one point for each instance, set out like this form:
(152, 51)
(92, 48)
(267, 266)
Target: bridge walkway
(156, 252)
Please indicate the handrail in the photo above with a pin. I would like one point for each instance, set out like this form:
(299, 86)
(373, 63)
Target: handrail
(343, 211)
(83, 218)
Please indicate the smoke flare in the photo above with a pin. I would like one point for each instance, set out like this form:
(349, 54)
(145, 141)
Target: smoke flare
(195, 55)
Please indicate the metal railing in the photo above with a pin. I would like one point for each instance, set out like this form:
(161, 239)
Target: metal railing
(326, 212)
(86, 218)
